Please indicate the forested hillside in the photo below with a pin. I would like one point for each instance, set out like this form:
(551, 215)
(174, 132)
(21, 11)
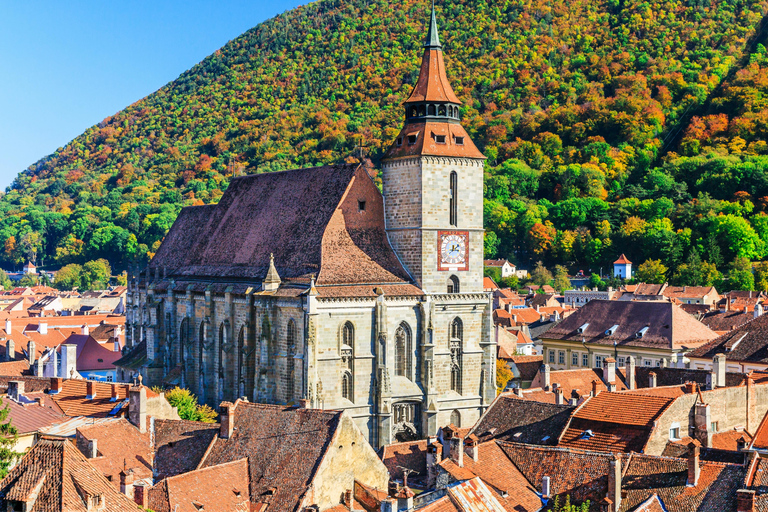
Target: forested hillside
(610, 126)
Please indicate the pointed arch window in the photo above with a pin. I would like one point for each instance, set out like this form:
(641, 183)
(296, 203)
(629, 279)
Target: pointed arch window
(403, 351)
(291, 355)
(453, 284)
(456, 418)
(347, 361)
(454, 198)
(456, 343)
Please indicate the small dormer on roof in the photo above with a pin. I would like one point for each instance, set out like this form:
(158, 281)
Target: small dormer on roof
(272, 280)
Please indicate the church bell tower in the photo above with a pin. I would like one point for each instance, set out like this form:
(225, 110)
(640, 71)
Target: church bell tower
(433, 184)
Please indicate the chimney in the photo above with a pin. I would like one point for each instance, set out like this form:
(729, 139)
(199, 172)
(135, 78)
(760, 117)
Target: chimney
(718, 363)
(519, 392)
(126, 482)
(68, 361)
(227, 413)
(137, 407)
(652, 380)
(758, 310)
(91, 390)
(140, 495)
(388, 505)
(594, 387)
(15, 389)
(545, 487)
(545, 377)
(32, 352)
(457, 450)
(116, 346)
(470, 446)
(609, 373)
(8, 326)
(55, 385)
(559, 400)
(115, 395)
(10, 350)
(434, 456)
(631, 372)
(43, 328)
(745, 500)
(614, 483)
(690, 387)
(693, 463)
(93, 450)
(84, 330)
(741, 443)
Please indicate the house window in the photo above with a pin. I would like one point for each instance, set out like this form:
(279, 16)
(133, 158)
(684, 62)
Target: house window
(403, 351)
(551, 356)
(361, 206)
(109, 378)
(647, 362)
(399, 141)
(622, 360)
(598, 361)
(440, 139)
(674, 432)
(585, 360)
(454, 198)
(459, 141)
(412, 139)
(713, 427)
(561, 357)
(575, 359)
(453, 284)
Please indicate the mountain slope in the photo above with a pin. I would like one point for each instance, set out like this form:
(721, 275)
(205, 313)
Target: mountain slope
(574, 103)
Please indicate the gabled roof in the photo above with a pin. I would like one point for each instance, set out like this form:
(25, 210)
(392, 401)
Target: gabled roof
(283, 444)
(222, 487)
(512, 419)
(747, 343)
(120, 446)
(668, 326)
(63, 480)
(495, 263)
(91, 355)
(308, 218)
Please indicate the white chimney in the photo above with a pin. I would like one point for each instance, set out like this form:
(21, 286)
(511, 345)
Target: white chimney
(68, 360)
(718, 363)
(545, 487)
(85, 330)
(758, 310)
(43, 329)
(8, 326)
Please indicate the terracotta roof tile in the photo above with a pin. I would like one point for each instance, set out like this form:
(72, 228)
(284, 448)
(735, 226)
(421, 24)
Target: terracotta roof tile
(622, 260)
(31, 416)
(747, 343)
(120, 445)
(432, 84)
(412, 455)
(512, 419)
(180, 445)
(426, 141)
(72, 398)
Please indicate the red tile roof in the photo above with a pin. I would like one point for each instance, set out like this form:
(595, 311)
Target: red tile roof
(426, 141)
(31, 417)
(120, 446)
(65, 478)
(623, 409)
(760, 440)
(412, 455)
(489, 284)
(222, 487)
(622, 260)
(72, 398)
(180, 445)
(92, 355)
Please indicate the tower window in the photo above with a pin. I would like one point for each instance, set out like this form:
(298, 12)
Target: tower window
(412, 139)
(414, 112)
(453, 284)
(454, 211)
(459, 141)
(441, 110)
(456, 342)
(440, 139)
(360, 206)
(403, 351)
(399, 141)
(431, 110)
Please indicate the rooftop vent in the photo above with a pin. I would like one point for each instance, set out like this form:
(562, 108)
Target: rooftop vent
(612, 330)
(582, 328)
(588, 434)
(641, 332)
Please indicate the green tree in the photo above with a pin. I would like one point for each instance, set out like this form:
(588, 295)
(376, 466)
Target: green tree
(541, 275)
(690, 273)
(8, 437)
(710, 276)
(761, 276)
(561, 281)
(652, 271)
(187, 406)
(740, 275)
(96, 274)
(596, 282)
(68, 277)
(511, 282)
(28, 280)
(5, 282)
(567, 506)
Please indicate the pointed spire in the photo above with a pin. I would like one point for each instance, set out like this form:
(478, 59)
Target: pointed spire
(433, 38)
(272, 280)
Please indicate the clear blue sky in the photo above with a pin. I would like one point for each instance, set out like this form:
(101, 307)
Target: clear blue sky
(66, 65)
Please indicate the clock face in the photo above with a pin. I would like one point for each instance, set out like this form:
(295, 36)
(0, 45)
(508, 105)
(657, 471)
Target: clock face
(453, 249)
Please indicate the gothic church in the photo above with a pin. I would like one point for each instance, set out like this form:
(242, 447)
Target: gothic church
(310, 285)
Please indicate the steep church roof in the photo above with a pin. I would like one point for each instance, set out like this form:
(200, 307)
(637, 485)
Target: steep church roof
(327, 221)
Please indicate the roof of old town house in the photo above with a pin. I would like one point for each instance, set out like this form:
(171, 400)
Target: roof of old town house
(284, 446)
(748, 343)
(73, 398)
(724, 321)
(489, 284)
(524, 421)
(668, 326)
(577, 382)
(222, 487)
(622, 260)
(527, 366)
(29, 416)
(617, 422)
(690, 292)
(120, 446)
(495, 263)
(496, 469)
(308, 218)
(411, 455)
(180, 445)
(90, 354)
(63, 479)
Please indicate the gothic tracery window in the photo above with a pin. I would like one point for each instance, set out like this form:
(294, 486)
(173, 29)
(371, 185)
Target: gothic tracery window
(454, 198)
(456, 339)
(291, 343)
(403, 351)
(347, 361)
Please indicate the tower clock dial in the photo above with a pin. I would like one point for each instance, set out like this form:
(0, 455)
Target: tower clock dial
(453, 250)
